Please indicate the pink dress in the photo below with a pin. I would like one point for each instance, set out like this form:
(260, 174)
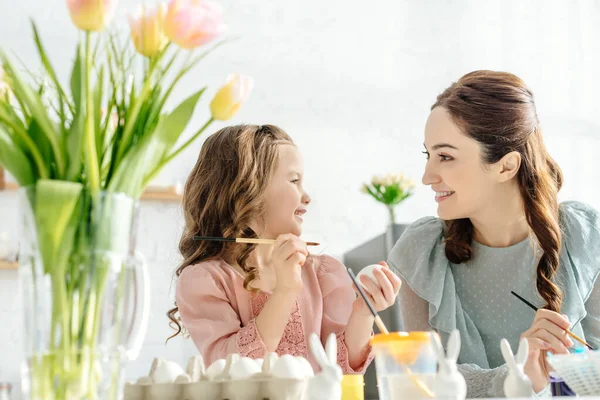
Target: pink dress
(219, 313)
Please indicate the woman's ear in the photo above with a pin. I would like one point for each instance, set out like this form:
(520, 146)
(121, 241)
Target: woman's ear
(509, 166)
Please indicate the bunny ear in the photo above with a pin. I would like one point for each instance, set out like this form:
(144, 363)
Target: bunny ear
(331, 348)
(437, 347)
(523, 352)
(453, 350)
(507, 353)
(317, 350)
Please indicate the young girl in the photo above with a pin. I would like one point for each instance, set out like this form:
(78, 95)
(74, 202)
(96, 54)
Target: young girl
(254, 299)
(501, 229)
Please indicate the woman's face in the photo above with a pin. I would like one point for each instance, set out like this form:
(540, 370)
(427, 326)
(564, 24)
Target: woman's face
(462, 183)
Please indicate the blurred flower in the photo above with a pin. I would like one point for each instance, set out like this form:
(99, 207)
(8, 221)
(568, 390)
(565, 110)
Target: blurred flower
(193, 23)
(147, 29)
(231, 96)
(92, 15)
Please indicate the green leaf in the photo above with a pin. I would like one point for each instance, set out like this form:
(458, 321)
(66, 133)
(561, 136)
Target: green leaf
(63, 99)
(77, 79)
(97, 110)
(23, 141)
(74, 146)
(153, 147)
(41, 142)
(175, 123)
(77, 129)
(54, 206)
(37, 109)
(14, 160)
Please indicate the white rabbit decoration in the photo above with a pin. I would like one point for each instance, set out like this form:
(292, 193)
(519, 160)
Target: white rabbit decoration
(449, 382)
(517, 383)
(326, 385)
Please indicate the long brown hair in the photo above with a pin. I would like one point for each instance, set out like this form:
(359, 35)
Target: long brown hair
(224, 194)
(498, 111)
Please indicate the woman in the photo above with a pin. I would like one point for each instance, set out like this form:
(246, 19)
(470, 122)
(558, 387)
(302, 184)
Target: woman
(500, 229)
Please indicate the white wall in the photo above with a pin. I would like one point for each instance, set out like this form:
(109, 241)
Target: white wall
(352, 82)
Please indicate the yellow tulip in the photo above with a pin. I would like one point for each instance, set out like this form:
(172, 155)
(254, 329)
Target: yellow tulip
(231, 96)
(92, 15)
(147, 29)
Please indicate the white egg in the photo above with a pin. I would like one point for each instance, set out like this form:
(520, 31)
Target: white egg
(243, 368)
(215, 369)
(287, 367)
(307, 370)
(368, 271)
(185, 378)
(164, 371)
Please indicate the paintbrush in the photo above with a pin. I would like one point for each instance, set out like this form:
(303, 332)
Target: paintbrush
(382, 328)
(244, 240)
(574, 336)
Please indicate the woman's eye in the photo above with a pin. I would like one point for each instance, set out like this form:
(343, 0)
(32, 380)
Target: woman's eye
(295, 181)
(426, 154)
(445, 157)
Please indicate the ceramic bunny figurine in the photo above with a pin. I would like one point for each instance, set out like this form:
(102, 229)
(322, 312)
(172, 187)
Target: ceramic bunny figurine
(326, 385)
(517, 383)
(449, 382)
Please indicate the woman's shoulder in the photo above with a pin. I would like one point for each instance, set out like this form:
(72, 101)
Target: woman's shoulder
(418, 257)
(416, 244)
(576, 216)
(580, 226)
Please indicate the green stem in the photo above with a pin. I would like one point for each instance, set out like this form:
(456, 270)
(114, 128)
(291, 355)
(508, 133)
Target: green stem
(392, 214)
(168, 159)
(91, 155)
(131, 117)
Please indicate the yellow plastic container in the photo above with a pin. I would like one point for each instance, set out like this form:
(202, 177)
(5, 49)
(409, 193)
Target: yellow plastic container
(353, 387)
(406, 365)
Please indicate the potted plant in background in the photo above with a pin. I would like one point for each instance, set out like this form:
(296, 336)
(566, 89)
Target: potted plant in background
(390, 190)
(83, 153)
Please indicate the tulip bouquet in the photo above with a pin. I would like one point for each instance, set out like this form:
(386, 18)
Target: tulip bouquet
(84, 153)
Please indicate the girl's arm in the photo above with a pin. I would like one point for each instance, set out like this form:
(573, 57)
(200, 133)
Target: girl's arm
(353, 333)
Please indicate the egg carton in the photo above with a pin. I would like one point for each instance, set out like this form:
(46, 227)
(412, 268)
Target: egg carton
(236, 378)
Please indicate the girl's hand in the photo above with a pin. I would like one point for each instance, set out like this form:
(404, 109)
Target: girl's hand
(288, 257)
(382, 296)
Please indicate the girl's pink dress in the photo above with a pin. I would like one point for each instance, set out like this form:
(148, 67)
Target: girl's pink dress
(219, 313)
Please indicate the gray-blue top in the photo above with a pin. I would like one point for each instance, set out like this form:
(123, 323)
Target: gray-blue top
(474, 297)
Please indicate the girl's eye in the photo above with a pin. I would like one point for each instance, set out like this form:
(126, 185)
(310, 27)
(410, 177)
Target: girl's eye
(295, 181)
(445, 158)
(426, 154)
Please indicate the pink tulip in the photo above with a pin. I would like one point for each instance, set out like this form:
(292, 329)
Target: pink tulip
(193, 23)
(92, 15)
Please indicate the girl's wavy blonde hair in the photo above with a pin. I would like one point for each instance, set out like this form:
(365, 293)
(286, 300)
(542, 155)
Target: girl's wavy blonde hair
(224, 194)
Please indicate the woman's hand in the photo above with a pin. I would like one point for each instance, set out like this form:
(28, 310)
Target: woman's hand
(547, 333)
(380, 296)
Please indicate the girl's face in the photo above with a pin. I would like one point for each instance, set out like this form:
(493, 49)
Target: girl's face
(286, 198)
